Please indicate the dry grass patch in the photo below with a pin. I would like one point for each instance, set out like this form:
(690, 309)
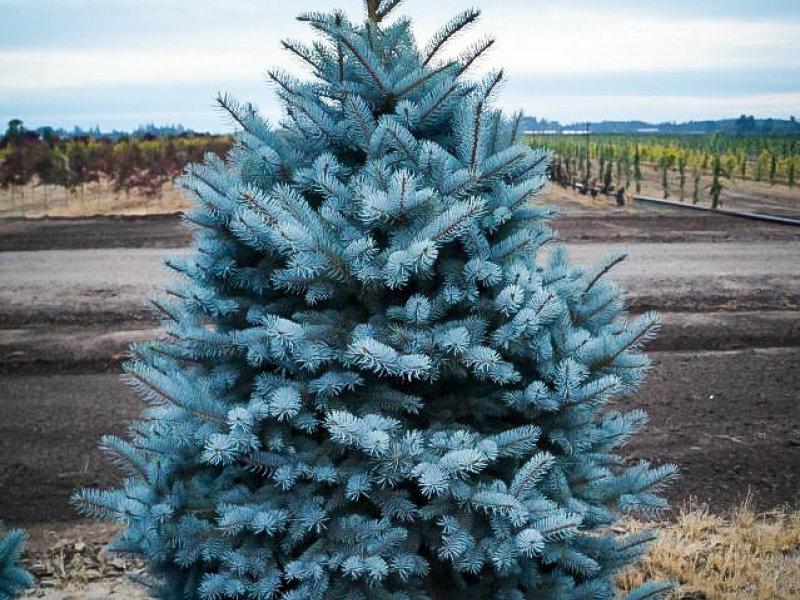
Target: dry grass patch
(97, 198)
(100, 198)
(743, 556)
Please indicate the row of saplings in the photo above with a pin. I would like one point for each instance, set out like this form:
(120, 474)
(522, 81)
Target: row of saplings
(619, 160)
(577, 173)
(371, 386)
(143, 165)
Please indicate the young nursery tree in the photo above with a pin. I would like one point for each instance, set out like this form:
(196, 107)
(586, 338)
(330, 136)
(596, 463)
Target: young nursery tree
(14, 580)
(696, 189)
(372, 385)
(683, 157)
(607, 177)
(716, 188)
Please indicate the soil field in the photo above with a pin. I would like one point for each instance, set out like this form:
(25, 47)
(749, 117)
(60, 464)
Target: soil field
(756, 196)
(729, 419)
(722, 395)
(583, 220)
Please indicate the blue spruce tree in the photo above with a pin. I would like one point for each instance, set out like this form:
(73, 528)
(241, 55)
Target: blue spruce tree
(371, 385)
(14, 580)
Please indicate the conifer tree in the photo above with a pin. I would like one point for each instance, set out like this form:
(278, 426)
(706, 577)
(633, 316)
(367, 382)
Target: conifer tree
(14, 580)
(627, 167)
(601, 168)
(773, 168)
(682, 159)
(716, 187)
(696, 188)
(607, 177)
(373, 386)
(743, 164)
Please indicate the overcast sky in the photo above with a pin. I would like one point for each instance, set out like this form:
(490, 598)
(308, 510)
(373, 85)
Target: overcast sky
(120, 63)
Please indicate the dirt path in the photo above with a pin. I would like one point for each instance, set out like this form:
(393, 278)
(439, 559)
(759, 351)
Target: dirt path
(603, 224)
(722, 395)
(102, 285)
(731, 420)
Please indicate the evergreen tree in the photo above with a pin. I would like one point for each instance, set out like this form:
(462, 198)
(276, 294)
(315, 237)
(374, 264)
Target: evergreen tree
(601, 167)
(696, 189)
(607, 177)
(627, 167)
(743, 164)
(372, 387)
(682, 159)
(716, 188)
(14, 580)
(665, 176)
(587, 176)
(773, 168)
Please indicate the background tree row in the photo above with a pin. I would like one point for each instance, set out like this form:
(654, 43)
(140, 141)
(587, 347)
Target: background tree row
(143, 164)
(614, 161)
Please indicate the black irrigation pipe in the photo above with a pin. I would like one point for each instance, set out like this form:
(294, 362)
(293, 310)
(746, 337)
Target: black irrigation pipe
(722, 211)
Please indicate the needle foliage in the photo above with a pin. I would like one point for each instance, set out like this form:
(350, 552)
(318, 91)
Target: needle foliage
(373, 382)
(14, 579)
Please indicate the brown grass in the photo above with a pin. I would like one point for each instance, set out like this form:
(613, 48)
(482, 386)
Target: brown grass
(740, 556)
(95, 199)
(743, 556)
(101, 199)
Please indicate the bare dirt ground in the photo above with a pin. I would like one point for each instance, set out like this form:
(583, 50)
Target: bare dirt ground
(729, 418)
(97, 287)
(579, 222)
(748, 195)
(722, 395)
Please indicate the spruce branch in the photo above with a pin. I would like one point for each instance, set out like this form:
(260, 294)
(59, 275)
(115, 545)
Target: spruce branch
(366, 57)
(470, 56)
(439, 101)
(302, 52)
(422, 79)
(515, 125)
(285, 82)
(385, 7)
(448, 32)
(401, 139)
(608, 264)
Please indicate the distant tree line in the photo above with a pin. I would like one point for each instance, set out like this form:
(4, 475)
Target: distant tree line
(142, 163)
(742, 126)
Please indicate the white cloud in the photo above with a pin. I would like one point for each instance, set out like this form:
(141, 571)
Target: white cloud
(230, 46)
(48, 69)
(593, 42)
(544, 42)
